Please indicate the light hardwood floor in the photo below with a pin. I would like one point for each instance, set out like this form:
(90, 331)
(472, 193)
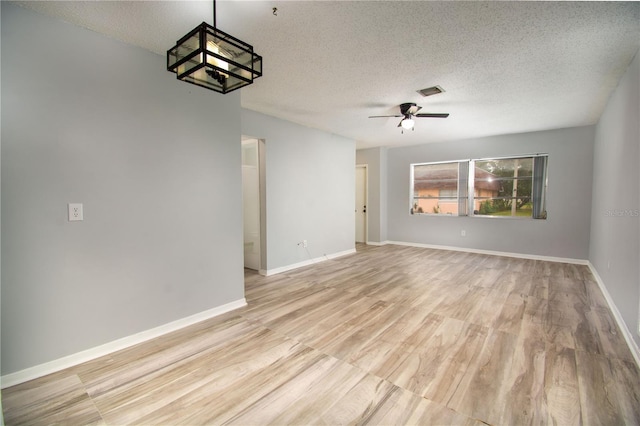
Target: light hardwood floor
(389, 335)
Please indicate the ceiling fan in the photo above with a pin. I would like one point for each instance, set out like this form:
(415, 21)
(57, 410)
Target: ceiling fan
(408, 111)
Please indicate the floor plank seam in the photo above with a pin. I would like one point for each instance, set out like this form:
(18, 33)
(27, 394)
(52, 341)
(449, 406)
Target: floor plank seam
(394, 385)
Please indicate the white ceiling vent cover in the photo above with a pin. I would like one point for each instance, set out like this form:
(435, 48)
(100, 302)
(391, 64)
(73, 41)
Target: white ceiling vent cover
(430, 91)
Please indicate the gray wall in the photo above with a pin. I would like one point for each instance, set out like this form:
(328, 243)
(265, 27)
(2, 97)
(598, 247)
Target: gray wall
(1, 410)
(376, 160)
(614, 250)
(310, 190)
(156, 163)
(564, 234)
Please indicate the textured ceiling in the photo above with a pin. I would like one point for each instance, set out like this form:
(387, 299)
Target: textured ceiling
(506, 67)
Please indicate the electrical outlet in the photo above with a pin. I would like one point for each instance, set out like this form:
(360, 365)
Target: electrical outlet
(304, 243)
(75, 212)
(463, 233)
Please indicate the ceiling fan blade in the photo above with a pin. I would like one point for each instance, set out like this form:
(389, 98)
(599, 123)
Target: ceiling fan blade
(384, 116)
(433, 115)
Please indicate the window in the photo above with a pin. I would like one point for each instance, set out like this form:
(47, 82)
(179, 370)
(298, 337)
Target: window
(503, 187)
(498, 187)
(440, 188)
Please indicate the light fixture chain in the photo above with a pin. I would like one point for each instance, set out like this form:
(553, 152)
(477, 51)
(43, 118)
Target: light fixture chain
(214, 14)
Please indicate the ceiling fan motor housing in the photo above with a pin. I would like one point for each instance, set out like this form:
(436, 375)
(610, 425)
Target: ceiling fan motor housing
(406, 108)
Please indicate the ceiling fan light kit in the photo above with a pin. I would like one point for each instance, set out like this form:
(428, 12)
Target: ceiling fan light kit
(211, 58)
(407, 123)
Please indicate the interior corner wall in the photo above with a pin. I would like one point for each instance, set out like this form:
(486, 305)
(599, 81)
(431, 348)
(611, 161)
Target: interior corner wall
(156, 163)
(565, 234)
(310, 190)
(375, 159)
(614, 249)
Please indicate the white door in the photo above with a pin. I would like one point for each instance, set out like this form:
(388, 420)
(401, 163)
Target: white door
(361, 204)
(251, 203)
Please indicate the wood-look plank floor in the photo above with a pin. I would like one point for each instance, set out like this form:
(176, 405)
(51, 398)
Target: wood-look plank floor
(389, 335)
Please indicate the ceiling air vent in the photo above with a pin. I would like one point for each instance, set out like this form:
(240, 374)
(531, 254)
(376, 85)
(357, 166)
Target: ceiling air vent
(429, 91)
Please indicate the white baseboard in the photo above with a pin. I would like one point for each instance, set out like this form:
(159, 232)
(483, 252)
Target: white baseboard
(282, 269)
(628, 336)
(494, 253)
(102, 350)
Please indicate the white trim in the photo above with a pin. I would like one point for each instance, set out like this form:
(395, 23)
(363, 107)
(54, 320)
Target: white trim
(628, 336)
(116, 345)
(494, 253)
(282, 269)
(366, 199)
(375, 243)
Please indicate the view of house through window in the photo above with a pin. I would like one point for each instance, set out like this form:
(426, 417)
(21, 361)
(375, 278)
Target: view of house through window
(514, 187)
(436, 188)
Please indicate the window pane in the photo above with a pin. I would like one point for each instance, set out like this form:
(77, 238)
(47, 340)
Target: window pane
(435, 189)
(503, 187)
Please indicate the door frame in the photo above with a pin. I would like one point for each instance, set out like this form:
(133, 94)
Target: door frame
(366, 199)
(262, 189)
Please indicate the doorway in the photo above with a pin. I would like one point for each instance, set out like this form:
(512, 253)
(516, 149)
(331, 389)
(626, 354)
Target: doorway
(361, 203)
(251, 205)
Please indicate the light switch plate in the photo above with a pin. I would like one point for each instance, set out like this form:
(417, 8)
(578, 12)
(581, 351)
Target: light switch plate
(75, 212)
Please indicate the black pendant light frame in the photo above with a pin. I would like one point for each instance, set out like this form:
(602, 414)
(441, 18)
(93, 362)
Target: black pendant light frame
(211, 58)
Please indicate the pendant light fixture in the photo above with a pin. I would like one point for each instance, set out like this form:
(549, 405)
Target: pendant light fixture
(213, 59)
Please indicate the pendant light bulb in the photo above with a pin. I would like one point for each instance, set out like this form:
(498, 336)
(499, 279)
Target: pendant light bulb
(407, 123)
